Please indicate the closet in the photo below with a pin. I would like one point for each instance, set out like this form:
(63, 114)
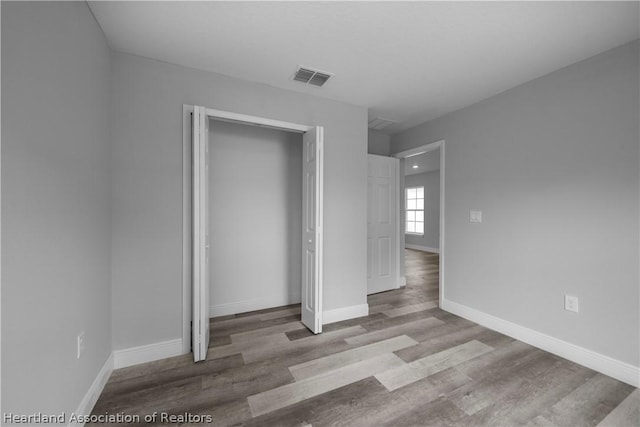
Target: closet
(255, 217)
(253, 209)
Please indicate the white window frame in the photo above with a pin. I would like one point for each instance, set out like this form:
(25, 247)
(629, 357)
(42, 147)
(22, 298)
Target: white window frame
(407, 210)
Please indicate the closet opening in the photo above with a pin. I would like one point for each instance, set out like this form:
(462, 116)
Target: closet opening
(255, 219)
(255, 222)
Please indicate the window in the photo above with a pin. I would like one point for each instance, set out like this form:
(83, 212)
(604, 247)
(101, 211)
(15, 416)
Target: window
(414, 209)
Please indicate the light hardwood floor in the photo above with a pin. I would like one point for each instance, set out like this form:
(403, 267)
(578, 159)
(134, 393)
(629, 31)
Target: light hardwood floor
(406, 364)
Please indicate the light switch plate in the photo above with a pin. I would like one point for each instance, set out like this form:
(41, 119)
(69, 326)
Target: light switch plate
(475, 216)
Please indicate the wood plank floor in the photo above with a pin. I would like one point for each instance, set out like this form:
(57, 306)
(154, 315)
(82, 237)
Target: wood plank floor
(406, 364)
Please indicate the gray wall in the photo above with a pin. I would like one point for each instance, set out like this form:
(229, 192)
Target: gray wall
(147, 187)
(378, 143)
(55, 200)
(553, 165)
(256, 217)
(431, 183)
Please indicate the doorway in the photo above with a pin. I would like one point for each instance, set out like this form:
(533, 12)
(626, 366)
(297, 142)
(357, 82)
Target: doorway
(255, 188)
(198, 242)
(416, 228)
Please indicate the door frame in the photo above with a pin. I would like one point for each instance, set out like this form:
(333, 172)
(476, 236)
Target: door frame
(187, 165)
(441, 259)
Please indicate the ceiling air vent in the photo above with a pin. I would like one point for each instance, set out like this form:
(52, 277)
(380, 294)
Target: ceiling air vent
(311, 76)
(379, 123)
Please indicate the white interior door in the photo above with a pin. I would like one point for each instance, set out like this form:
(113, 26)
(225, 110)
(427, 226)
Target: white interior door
(312, 153)
(382, 230)
(200, 325)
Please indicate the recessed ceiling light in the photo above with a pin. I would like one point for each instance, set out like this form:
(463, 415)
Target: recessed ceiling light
(415, 166)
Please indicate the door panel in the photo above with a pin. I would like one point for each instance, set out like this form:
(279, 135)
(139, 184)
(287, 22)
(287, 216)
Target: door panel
(382, 234)
(384, 210)
(200, 210)
(384, 257)
(310, 272)
(310, 222)
(312, 230)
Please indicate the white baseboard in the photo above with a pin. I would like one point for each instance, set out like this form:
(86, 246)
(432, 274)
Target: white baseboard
(251, 305)
(147, 353)
(92, 395)
(344, 313)
(598, 362)
(422, 248)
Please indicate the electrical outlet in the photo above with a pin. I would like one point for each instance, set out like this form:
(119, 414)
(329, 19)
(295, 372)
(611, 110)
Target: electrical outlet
(571, 303)
(80, 346)
(475, 216)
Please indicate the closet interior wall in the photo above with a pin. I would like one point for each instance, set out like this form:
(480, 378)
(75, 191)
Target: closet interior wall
(255, 217)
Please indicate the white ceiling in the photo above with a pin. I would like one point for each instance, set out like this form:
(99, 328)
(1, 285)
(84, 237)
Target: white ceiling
(426, 162)
(406, 61)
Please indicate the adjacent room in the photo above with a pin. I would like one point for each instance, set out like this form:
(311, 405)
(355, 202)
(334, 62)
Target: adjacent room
(320, 213)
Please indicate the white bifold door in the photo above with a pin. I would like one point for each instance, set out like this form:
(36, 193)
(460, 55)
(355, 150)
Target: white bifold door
(311, 305)
(382, 224)
(200, 289)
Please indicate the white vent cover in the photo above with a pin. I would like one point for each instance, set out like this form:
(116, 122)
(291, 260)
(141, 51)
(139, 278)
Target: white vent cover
(310, 76)
(379, 123)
